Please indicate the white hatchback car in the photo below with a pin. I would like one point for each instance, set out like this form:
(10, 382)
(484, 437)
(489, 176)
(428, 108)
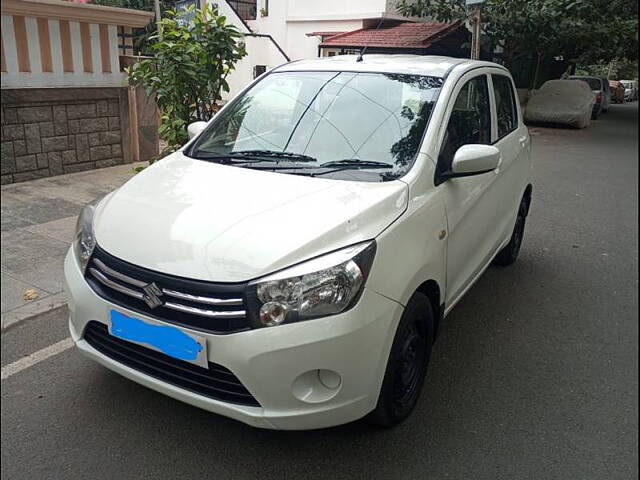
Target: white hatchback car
(291, 265)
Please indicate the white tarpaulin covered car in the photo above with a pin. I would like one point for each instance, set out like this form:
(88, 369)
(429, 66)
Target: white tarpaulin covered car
(567, 102)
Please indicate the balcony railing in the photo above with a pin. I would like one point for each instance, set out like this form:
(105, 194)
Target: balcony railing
(246, 9)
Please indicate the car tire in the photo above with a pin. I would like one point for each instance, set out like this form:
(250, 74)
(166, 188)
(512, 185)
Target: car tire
(509, 254)
(407, 364)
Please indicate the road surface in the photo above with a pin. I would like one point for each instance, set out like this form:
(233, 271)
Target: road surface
(535, 374)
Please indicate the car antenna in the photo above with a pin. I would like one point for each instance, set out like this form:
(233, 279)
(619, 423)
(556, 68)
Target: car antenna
(359, 59)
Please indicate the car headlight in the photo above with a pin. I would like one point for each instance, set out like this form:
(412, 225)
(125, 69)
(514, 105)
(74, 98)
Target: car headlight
(323, 286)
(85, 239)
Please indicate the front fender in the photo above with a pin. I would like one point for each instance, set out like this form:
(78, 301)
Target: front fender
(412, 250)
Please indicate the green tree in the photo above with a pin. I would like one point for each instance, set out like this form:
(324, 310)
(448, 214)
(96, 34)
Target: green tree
(626, 69)
(188, 70)
(600, 31)
(576, 29)
(621, 69)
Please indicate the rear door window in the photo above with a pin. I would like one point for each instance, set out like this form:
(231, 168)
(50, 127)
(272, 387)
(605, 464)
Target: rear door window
(506, 112)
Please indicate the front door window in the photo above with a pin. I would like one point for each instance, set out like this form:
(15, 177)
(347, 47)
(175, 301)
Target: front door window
(470, 121)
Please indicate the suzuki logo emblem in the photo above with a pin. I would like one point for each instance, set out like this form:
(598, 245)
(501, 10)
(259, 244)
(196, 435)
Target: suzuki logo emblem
(152, 294)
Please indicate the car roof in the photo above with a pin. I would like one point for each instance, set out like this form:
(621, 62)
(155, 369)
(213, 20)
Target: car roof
(561, 82)
(588, 76)
(432, 65)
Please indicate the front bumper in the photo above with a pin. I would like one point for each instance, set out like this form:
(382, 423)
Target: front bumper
(275, 364)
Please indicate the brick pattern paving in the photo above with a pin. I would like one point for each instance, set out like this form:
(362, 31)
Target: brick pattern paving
(52, 139)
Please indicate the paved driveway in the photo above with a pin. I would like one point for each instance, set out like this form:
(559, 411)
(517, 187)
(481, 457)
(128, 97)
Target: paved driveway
(535, 375)
(38, 223)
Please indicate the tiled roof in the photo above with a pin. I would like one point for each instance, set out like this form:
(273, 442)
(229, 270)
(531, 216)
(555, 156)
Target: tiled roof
(403, 35)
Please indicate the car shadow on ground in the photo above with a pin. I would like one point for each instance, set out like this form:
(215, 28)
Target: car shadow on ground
(477, 362)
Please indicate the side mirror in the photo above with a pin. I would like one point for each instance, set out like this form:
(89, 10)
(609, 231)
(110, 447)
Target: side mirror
(194, 129)
(474, 160)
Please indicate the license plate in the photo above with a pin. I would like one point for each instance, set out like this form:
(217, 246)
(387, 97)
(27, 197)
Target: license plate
(166, 339)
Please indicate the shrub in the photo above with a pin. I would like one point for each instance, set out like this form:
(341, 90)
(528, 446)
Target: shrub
(191, 61)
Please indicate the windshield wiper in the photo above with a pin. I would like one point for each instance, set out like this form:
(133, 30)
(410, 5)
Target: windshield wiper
(231, 160)
(298, 157)
(355, 163)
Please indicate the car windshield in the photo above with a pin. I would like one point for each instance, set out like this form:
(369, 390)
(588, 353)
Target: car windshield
(343, 120)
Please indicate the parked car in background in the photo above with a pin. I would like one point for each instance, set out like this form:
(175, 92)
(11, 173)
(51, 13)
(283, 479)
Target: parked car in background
(600, 87)
(300, 252)
(565, 102)
(617, 91)
(630, 90)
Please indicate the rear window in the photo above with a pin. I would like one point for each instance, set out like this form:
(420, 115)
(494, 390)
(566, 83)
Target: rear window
(594, 83)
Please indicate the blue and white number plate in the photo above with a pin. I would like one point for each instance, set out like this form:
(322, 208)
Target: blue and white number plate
(166, 339)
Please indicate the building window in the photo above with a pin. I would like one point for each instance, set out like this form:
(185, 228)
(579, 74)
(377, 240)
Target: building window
(245, 9)
(185, 16)
(259, 70)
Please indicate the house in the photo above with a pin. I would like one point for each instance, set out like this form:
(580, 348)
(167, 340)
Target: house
(420, 38)
(66, 105)
(278, 31)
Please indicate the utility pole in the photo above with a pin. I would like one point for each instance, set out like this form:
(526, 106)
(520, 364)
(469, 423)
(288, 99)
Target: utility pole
(475, 8)
(156, 5)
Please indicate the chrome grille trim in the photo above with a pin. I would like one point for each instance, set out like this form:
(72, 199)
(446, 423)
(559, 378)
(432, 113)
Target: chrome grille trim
(208, 300)
(205, 313)
(112, 279)
(185, 296)
(115, 285)
(120, 276)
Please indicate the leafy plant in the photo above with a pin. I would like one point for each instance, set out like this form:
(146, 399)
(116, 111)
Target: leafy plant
(188, 70)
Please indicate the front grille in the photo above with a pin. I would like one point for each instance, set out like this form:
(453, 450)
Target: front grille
(203, 306)
(215, 382)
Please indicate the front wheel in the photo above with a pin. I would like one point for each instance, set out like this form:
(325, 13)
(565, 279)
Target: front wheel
(407, 365)
(509, 254)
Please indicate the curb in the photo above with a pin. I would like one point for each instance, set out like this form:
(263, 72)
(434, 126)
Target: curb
(33, 310)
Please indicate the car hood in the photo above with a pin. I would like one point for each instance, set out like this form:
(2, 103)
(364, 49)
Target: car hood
(207, 221)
